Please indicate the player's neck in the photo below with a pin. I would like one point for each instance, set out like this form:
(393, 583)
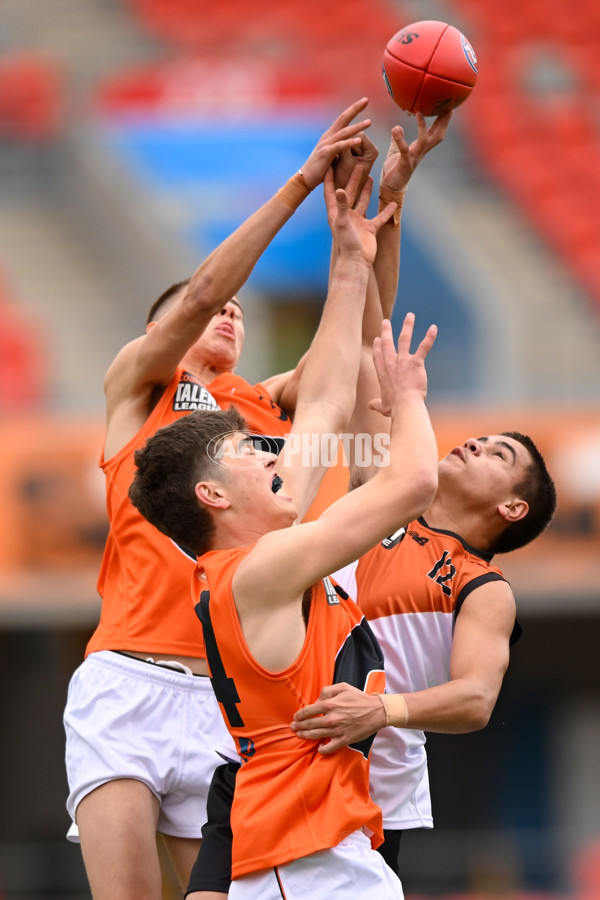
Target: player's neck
(469, 525)
(233, 531)
(205, 371)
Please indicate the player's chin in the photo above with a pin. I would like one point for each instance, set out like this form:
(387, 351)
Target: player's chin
(289, 513)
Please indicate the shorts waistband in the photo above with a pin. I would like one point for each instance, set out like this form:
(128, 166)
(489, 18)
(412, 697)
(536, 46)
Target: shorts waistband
(172, 664)
(148, 671)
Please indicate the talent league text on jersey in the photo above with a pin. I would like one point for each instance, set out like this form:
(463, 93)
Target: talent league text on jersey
(191, 394)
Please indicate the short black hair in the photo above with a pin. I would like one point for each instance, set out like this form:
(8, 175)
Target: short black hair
(538, 489)
(166, 295)
(169, 467)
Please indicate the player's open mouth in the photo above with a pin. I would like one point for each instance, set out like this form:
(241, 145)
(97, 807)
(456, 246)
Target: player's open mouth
(276, 484)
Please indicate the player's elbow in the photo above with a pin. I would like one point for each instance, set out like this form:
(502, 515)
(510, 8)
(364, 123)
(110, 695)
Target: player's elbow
(477, 720)
(423, 488)
(477, 712)
(203, 295)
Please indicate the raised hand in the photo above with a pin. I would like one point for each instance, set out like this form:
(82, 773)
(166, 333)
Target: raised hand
(400, 372)
(353, 233)
(403, 158)
(363, 155)
(340, 136)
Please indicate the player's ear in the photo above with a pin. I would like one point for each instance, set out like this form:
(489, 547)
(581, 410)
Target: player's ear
(211, 494)
(150, 326)
(513, 510)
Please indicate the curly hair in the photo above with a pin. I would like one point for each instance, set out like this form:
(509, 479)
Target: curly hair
(169, 467)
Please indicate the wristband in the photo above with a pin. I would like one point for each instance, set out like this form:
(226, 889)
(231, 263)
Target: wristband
(294, 191)
(389, 195)
(396, 710)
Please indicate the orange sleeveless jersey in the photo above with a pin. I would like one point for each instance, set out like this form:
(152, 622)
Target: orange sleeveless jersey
(289, 800)
(145, 579)
(420, 570)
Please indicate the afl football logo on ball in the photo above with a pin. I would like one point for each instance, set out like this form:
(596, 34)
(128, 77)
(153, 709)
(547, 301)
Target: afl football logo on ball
(469, 53)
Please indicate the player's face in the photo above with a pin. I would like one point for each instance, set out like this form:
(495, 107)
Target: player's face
(486, 468)
(254, 487)
(223, 338)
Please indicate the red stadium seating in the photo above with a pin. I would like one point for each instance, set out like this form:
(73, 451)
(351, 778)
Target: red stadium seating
(22, 363)
(341, 47)
(30, 97)
(532, 118)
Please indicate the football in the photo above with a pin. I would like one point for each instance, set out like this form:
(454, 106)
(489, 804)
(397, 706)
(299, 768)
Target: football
(429, 67)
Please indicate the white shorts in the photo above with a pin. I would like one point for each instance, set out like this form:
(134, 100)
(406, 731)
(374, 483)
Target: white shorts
(350, 869)
(126, 718)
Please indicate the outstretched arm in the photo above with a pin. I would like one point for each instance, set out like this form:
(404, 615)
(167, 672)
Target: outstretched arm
(398, 168)
(327, 388)
(297, 557)
(283, 389)
(151, 360)
(479, 658)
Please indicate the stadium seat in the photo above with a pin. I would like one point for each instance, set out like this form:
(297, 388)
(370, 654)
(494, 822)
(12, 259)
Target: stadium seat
(22, 363)
(30, 97)
(532, 119)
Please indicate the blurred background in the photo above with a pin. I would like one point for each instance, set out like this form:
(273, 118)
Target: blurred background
(134, 136)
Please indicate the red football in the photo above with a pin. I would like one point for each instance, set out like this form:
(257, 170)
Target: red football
(429, 67)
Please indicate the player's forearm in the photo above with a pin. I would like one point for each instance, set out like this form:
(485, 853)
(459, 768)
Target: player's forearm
(387, 262)
(229, 266)
(411, 470)
(332, 363)
(456, 707)
(366, 421)
(373, 314)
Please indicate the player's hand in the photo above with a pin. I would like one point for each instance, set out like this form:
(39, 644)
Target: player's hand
(342, 715)
(363, 155)
(403, 158)
(354, 235)
(342, 135)
(400, 372)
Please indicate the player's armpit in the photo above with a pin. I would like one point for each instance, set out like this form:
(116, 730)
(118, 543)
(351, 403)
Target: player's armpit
(283, 389)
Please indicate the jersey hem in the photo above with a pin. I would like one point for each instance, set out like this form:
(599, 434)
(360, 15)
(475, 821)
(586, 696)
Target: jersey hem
(258, 864)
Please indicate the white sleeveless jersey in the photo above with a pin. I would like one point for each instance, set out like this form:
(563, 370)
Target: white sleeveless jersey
(410, 588)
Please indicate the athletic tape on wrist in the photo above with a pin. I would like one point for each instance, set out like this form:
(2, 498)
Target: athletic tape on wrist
(294, 191)
(396, 710)
(385, 709)
(389, 195)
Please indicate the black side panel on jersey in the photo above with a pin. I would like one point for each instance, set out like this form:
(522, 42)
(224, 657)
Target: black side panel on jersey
(360, 655)
(223, 686)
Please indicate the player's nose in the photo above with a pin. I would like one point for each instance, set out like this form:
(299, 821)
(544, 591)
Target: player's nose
(473, 446)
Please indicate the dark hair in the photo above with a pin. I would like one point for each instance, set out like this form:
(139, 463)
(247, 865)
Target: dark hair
(169, 467)
(538, 489)
(166, 295)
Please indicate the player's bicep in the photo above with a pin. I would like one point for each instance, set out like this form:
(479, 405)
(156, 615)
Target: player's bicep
(276, 571)
(283, 389)
(310, 447)
(284, 563)
(480, 646)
